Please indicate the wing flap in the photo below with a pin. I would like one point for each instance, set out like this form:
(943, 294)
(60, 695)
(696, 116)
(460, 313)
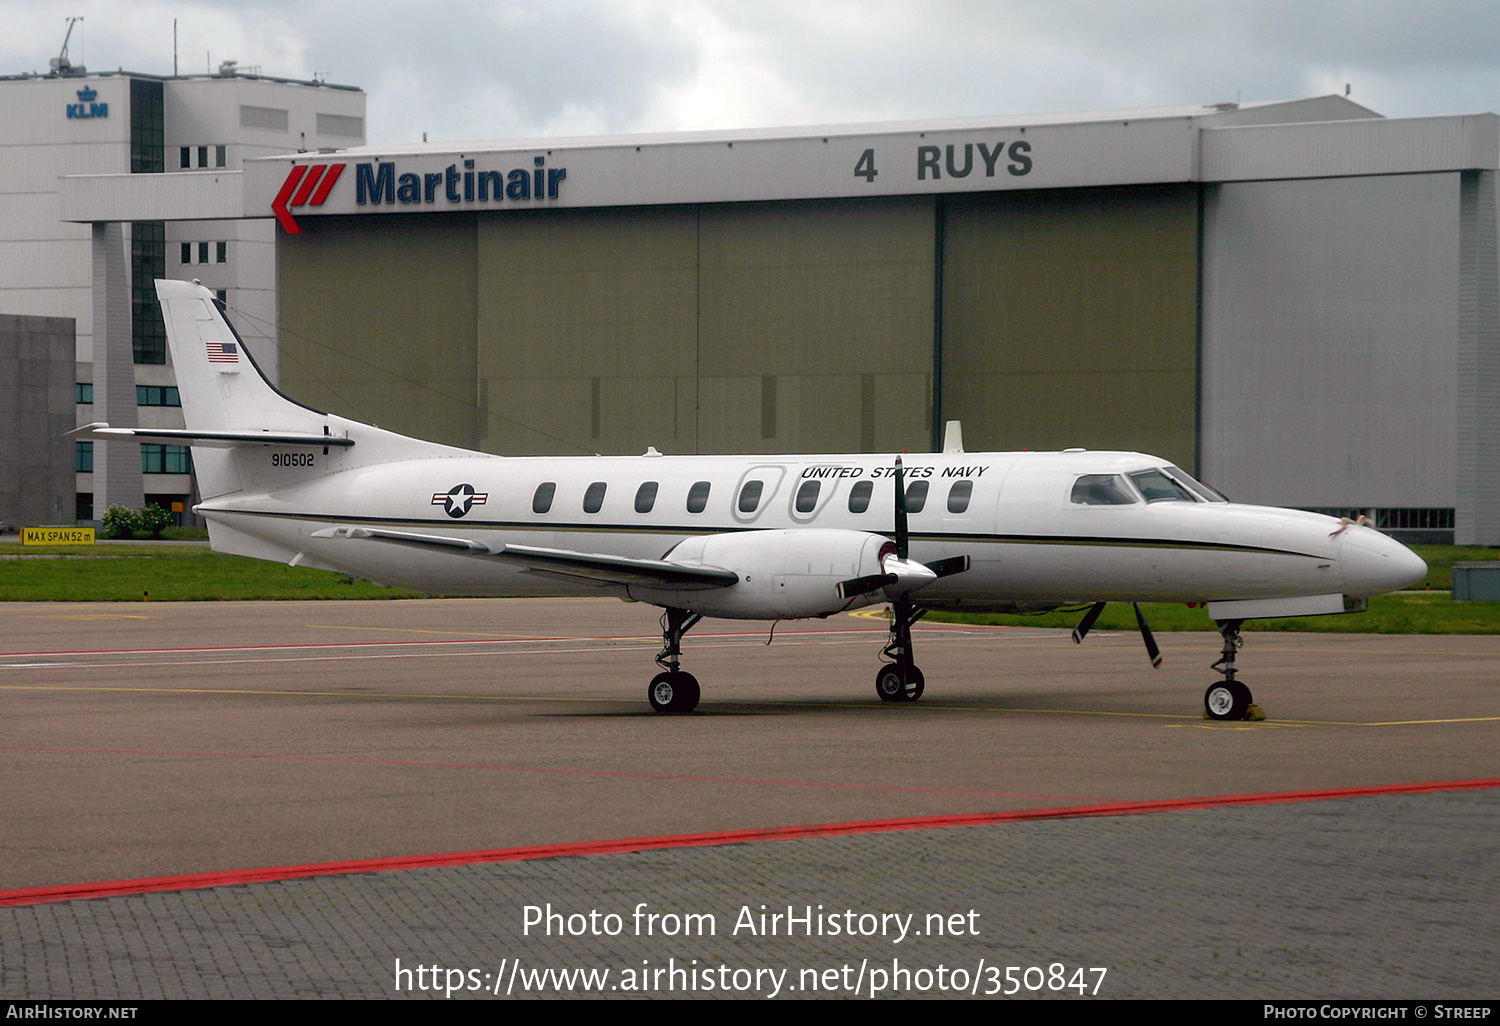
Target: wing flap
(597, 567)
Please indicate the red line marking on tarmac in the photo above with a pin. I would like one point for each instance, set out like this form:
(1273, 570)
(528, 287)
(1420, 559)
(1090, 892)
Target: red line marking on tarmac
(540, 769)
(272, 874)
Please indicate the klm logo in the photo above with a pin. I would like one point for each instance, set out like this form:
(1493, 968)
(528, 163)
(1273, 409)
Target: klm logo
(87, 107)
(382, 184)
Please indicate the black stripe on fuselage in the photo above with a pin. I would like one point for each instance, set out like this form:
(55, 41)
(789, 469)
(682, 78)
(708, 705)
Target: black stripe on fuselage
(698, 529)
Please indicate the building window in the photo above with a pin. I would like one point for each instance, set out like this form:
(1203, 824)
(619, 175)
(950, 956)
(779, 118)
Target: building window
(268, 119)
(165, 459)
(219, 156)
(83, 393)
(203, 252)
(148, 151)
(221, 252)
(342, 125)
(83, 457)
(157, 395)
(203, 156)
(148, 262)
(186, 156)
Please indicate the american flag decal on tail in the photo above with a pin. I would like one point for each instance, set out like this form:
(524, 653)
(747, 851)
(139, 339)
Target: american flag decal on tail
(223, 352)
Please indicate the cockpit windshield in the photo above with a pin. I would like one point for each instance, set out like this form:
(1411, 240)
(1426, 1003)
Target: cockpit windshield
(1158, 487)
(1103, 490)
(1202, 490)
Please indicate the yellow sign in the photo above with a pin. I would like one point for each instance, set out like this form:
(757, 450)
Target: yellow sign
(57, 536)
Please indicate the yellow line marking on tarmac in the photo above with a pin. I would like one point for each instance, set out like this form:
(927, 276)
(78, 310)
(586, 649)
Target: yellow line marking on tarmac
(86, 616)
(421, 630)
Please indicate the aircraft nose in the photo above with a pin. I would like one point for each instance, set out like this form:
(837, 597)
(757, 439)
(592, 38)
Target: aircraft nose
(1374, 564)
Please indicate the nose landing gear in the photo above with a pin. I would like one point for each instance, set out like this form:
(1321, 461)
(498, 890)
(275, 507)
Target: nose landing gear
(1229, 699)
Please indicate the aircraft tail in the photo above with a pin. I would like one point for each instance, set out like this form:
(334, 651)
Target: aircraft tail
(233, 413)
(222, 389)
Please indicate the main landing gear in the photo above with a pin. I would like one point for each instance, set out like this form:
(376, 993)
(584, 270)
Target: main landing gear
(674, 690)
(900, 680)
(1229, 699)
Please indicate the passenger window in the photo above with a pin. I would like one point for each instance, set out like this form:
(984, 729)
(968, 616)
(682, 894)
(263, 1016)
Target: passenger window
(959, 496)
(541, 502)
(916, 496)
(859, 496)
(645, 497)
(1102, 490)
(750, 496)
(807, 496)
(698, 497)
(593, 499)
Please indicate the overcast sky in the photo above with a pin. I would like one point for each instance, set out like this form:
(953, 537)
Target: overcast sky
(495, 69)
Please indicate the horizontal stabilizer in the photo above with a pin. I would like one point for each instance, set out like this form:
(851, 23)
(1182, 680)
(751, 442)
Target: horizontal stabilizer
(210, 438)
(588, 566)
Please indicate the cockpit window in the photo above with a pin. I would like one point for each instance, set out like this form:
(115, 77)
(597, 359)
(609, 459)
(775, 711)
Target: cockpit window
(1192, 484)
(1102, 490)
(1158, 487)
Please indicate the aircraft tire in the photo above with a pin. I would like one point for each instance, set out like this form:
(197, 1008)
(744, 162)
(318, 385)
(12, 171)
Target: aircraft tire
(1227, 700)
(673, 692)
(890, 686)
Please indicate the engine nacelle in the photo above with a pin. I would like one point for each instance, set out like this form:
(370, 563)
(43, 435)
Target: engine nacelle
(782, 573)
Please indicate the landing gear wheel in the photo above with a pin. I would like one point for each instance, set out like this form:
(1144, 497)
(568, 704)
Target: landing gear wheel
(1227, 700)
(892, 686)
(673, 692)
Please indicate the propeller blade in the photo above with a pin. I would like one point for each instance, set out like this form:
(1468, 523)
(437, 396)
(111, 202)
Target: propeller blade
(866, 585)
(903, 548)
(1087, 623)
(950, 566)
(1150, 639)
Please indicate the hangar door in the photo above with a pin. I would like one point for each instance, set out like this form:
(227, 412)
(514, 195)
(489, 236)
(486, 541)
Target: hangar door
(1070, 319)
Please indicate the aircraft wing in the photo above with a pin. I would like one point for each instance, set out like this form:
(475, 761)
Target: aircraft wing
(588, 566)
(212, 439)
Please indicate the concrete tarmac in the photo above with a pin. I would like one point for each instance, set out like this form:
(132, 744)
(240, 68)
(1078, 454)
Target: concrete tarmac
(146, 740)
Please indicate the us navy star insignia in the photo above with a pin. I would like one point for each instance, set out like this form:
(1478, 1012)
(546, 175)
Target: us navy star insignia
(459, 499)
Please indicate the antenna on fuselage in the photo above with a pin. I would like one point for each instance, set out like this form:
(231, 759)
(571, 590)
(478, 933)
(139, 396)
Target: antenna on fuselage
(953, 436)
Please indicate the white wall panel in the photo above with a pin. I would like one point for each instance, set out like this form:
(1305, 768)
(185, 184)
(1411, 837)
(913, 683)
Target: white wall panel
(1330, 320)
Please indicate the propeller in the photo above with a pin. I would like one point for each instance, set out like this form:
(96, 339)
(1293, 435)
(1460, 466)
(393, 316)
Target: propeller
(1153, 650)
(900, 575)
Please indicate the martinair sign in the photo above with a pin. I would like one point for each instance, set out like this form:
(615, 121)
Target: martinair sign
(725, 168)
(380, 184)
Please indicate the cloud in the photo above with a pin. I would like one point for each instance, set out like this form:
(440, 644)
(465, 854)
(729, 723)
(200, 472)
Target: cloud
(506, 68)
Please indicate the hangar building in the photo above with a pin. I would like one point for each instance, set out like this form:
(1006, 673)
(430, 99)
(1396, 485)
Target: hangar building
(1298, 300)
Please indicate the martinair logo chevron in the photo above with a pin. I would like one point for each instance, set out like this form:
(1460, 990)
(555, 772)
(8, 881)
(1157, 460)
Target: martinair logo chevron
(306, 185)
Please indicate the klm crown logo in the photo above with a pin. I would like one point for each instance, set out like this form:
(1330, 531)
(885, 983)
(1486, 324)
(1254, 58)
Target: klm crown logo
(88, 95)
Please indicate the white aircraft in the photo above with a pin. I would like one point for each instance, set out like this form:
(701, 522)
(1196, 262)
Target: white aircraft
(748, 537)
